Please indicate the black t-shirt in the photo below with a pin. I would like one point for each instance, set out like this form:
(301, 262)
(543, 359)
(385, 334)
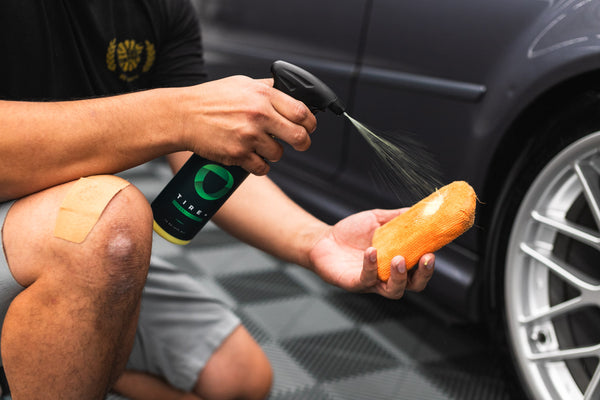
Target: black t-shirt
(70, 49)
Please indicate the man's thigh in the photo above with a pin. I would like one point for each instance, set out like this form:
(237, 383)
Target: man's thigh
(23, 223)
(9, 287)
(27, 232)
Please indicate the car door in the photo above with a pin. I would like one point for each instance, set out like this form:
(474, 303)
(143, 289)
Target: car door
(323, 36)
(425, 71)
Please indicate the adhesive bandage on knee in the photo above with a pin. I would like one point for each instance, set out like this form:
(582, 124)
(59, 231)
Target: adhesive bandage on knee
(84, 203)
(426, 227)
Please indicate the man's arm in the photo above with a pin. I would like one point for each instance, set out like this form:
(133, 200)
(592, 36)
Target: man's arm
(44, 144)
(230, 121)
(260, 214)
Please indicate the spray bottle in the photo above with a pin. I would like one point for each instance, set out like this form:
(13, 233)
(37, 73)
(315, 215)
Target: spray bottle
(202, 186)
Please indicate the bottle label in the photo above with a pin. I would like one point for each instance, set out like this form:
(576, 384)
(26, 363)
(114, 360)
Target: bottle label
(194, 195)
(204, 173)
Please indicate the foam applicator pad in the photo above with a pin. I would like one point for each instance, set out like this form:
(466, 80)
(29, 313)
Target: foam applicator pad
(426, 227)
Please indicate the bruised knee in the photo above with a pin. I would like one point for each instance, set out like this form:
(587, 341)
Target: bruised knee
(115, 254)
(122, 241)
(114, 251)
(125, 262)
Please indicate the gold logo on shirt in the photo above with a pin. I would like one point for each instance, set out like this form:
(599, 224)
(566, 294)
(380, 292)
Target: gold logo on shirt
(130, 58)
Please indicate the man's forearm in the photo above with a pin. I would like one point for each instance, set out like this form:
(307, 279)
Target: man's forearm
(231, 121)
(260, 214)
(44, 144)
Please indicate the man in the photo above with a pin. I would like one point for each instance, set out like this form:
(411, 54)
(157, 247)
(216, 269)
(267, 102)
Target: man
(98, 86)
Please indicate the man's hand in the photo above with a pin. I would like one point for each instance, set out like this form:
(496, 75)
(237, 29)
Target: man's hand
(235, 121)
(344, 257)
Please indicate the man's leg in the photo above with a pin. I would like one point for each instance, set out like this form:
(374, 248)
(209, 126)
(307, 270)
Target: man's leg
(136, 385)
(239, 369)
(69, 333)
(191, 343)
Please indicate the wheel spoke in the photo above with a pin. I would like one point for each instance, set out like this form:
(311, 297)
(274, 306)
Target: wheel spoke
(574, 231)
(555, 311)
(561, 269)
(589, 180)
(569, 354)
(593, 389)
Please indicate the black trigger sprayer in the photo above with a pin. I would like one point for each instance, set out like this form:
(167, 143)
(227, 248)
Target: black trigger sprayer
(402, 164)
(304, 86)
(201, 186)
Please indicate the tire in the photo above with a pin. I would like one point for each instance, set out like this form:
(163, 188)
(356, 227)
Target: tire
(544, 254)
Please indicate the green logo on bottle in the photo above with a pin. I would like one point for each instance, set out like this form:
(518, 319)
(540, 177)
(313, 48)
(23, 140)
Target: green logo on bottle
(221, 172)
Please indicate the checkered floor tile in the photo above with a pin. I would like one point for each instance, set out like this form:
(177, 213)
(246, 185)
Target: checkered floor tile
(325, 343)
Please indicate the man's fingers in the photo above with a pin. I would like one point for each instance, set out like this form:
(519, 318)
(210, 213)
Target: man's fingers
(384, 216)
(423, 273)
(368, 275)
(256, 165)
(269, 148)
(396, 284)
(292, 123)
(297, 123)
(291, 108)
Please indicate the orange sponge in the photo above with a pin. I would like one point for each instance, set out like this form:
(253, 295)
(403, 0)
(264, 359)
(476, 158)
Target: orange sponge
(426, 227)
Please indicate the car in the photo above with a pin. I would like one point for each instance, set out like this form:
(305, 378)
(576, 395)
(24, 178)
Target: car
(506, 95)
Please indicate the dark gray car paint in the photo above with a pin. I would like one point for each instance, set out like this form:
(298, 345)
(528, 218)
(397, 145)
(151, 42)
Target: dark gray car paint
(455, 74)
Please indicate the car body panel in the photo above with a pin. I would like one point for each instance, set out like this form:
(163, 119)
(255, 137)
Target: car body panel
(456, 75)
(246, 38)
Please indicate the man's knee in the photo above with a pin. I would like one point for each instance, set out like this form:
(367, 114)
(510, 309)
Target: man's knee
(239, 369)
(122, 240)
(115, 251)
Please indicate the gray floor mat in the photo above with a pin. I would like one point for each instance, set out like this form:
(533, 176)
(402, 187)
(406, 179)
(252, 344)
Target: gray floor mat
(325, 343)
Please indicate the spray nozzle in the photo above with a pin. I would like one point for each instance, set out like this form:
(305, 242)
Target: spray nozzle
(304, 86)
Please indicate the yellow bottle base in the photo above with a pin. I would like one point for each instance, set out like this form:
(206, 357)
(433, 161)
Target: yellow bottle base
(168, 236)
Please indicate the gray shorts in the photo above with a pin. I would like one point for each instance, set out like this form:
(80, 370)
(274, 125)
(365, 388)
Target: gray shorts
(180, 324)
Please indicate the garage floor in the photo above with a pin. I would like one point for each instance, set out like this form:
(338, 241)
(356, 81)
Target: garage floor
(324, 343)
(328, 344)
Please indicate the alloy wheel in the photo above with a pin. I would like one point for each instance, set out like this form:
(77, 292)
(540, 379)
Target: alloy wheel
(552, 277)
